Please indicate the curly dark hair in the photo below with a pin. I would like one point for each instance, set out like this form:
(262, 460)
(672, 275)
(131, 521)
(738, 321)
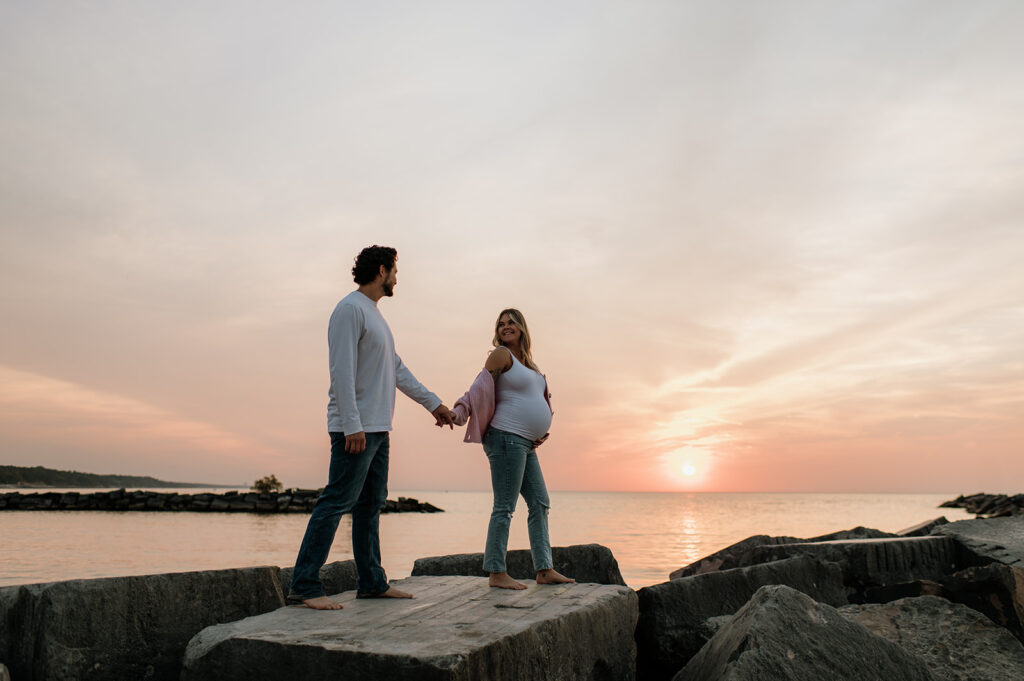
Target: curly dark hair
(369, 260)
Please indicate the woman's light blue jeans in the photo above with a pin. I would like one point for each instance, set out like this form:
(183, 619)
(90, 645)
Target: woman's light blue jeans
(515, 470)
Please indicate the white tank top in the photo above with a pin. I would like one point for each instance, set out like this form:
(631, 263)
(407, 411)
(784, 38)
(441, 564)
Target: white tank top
(520, 406)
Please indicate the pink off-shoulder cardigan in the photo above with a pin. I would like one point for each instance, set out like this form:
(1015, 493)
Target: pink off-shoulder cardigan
(477, 405)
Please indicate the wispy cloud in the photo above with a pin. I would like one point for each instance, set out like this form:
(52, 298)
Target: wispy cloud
(785, 240)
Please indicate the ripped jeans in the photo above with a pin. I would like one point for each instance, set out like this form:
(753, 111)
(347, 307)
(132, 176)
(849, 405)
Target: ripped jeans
(515, 470)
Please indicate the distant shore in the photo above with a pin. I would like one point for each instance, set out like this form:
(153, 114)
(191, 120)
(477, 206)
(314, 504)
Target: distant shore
(40, 477)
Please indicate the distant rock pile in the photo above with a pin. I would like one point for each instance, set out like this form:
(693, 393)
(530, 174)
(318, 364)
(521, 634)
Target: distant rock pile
(988, 505)
(289, 501)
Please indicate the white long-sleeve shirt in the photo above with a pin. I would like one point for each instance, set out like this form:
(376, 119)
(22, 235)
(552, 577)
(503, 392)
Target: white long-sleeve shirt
(365, 370)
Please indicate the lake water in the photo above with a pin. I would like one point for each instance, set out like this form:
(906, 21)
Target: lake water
(650, 534)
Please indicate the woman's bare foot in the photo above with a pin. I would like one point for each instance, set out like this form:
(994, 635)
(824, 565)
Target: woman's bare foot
(503, 581)
(322, 603)
(549, 576)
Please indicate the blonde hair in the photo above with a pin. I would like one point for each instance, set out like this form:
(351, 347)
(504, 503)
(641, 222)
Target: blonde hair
(517, 318)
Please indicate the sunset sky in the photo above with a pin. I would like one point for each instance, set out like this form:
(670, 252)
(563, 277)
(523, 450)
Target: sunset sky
(771, 246)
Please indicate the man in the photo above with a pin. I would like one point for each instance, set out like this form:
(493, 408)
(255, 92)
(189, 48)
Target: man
(365, 370)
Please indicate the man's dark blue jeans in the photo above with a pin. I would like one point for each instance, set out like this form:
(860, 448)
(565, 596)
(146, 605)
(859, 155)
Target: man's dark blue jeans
(356, 483)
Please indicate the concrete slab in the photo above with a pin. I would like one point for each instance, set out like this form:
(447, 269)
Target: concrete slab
(456, 628)
(875, 562)
(986, 540)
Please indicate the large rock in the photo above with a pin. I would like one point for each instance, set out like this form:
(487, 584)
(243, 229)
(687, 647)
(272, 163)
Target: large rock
(730, 557)
(582, 562)
(956, 642)
(995, 590)
(869, 563)
(923, 529)
(124, 627)
(336, 577)
(980, 542)
(455, 628)
(739, 554)
(782, 634)
(894, 592)
(676, 616)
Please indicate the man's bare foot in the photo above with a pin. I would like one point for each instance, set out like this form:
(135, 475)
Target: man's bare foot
(322, 603)
(503, 581)
(392, 592)
(549, 576)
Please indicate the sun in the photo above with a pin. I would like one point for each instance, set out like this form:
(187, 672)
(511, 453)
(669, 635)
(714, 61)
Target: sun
(689, 467)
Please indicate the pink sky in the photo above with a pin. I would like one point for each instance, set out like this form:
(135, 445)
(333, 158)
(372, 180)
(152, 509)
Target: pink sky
(758, 249)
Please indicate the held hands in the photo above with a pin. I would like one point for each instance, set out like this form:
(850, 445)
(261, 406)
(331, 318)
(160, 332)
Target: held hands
(443, 417)
(538, 443)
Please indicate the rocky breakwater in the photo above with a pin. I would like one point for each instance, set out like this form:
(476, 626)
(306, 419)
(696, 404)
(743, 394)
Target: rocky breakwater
(988, 505)
(289, 501)
(937, 601)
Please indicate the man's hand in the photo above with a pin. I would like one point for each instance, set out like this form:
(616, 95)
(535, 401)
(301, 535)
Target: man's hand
(443, 417)
(538, 443)
(355, 443)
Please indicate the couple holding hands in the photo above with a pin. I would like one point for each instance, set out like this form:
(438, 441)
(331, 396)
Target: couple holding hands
(507, 409)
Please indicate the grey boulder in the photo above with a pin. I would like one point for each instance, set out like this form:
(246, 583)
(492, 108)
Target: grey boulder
(923, 529)
(730, 557)
(995, 590)
(741, 554)
(582, 562)
(124, 627)
(782, 634)
(678, 617)
(956, 642)
(336, 577)
(869, 563)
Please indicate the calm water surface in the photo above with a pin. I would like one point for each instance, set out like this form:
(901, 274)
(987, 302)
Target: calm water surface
(650, 534)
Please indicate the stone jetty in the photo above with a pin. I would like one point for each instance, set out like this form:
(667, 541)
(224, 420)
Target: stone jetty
(938, 601)
(455, 628)
(988, 505)
(289, 501)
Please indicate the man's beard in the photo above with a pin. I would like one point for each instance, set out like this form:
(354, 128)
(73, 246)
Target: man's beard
(389, 289)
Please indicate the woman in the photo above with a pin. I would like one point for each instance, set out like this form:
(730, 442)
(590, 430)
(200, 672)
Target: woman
(509, 411)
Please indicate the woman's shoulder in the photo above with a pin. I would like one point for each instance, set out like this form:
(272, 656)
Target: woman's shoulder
(498, 358)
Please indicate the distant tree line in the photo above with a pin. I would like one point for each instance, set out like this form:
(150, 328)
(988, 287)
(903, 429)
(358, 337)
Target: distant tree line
(38, 476)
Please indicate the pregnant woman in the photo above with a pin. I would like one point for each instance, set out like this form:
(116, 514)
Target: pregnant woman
(509, 412)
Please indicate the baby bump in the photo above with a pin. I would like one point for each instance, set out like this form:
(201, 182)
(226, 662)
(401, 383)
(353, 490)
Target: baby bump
(530, 418)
